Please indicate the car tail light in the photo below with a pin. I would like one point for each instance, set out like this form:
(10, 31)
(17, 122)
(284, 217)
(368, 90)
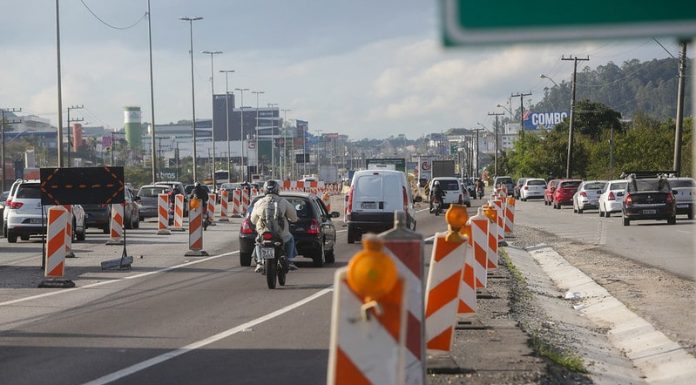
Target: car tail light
(628, 199)
(611, 196)
(267, 236)
(526, 188)
(15, 205)
(246, 227)
(349, 202)
(669, 199)
(313, 227)
(583, 194)
(461, 198)
(405, 196)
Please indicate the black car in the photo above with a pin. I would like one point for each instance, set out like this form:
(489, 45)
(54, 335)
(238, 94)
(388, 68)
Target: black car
(99, 215)
(314, 232)
(648, 198)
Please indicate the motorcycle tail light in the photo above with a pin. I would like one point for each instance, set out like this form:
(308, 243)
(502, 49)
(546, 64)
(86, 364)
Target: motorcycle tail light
(246, 227)
(313, 227)
(267, 236)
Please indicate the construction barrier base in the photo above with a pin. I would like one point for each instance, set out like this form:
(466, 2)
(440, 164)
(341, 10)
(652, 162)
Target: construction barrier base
(179, 229)
(223, 220)
(196, 253)
(115, 243)
(442, 364)
(57, 284)
(123, 263)
(211, 224)
(164, 232)
(502, 243)
(70, 254)
(471, 322)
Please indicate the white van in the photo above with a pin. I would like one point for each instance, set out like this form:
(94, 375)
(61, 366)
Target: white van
(373, 198)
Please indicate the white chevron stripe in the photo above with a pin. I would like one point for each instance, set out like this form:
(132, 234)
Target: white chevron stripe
(441, 320)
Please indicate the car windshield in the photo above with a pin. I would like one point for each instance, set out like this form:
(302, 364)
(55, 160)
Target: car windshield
(595, 186)
(537, 182)
(29, 191)
(682, 183)
(649, 185)
(150, 192)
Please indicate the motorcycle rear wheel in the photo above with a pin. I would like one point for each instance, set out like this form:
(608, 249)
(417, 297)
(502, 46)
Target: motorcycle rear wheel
(271, 272)
(282, 270)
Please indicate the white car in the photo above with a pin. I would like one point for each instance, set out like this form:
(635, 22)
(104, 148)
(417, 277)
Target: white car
(25, 217)
(6, 212)
(532, 188)
(611, 198)
(587, 196)
(454, 192)
(684, 191)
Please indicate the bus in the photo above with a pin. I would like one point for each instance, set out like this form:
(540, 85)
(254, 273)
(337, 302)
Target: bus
(221, 176)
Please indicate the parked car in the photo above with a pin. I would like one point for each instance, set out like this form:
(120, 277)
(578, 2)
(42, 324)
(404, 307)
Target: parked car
(506, 182)
(373, 197)
(548, 191)
(99, 215)
(3, 198)
(563, 194)
(148, 199)
(611, 198)
(648, 198)
(532, 188)
(10, 195)
(518, 186)
(587, 195)
(684, 191)
(26, 217)
(454, 193)
(314, 232)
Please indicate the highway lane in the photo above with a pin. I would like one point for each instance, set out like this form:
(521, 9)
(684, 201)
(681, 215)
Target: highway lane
(134, 329)
(655, 243)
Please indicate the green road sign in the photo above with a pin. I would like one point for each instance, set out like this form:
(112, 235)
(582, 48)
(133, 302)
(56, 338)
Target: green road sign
(472, 22)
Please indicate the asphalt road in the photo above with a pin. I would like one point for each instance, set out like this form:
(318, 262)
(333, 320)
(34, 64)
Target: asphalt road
(654, 243)
(207, 321)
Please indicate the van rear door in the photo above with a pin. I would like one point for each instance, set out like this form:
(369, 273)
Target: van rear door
(368, 195)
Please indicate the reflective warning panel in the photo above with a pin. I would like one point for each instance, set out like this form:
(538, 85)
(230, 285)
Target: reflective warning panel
(82, 185)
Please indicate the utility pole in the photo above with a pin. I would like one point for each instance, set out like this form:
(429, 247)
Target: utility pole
(256, 132)
(227, 123)
(575, 60)
(59, 140)
(212, 117)
(70, 128)
(521, 95)
(285, 140)
(680, 110)
(476, 154)
(496, 114)
(152, 97)
(241, 131)
(3, 122)
(193, 94)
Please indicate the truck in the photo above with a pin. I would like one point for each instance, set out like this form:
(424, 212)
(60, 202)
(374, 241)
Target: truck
(443, 168)
(398, 164)
(328, 173)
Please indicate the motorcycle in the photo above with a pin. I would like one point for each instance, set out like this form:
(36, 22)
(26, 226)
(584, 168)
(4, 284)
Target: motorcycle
(437, 205)
(480, 193)
(272, 253)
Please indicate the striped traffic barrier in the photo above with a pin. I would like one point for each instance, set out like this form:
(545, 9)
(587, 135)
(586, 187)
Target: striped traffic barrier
(509, 215)
(479, 245)
(498, 205)
(467, 288)
(116, 225)
(54, 264)
(163, 214)
(178, 224)
(225, 195)
(237, 203)
(69, 233)
(406, 249)
(326, 198)
(368, 320)
(196, 229)
(212, 200)
(245, 200)
(254, 192)
(444, 279)
(492, 252)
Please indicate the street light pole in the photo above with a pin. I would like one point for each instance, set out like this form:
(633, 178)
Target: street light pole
(152, 97)
(285, 138)
(575, 60)
(273, 168)
(193, 93)
(241, 130)
(212, 117)
(69, 128)
(227, 123)
(496, 114)
(542, 76)
(258, 170)
(2, 147)
(60, 92)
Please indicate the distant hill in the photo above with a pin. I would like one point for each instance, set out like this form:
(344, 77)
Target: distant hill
(648, 87)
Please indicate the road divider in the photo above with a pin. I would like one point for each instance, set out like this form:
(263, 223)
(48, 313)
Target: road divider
(54, 266)
(178, 213)
(196, 229)
(116, 225)
(163, 214)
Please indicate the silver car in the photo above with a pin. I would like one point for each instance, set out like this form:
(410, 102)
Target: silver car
(684, 191)
(587, 196)
(25, 217)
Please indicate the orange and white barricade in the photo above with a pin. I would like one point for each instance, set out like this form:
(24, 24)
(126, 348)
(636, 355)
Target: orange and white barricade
(509, 215)
(58, 219)
(254, 192)
(163, 214)
(444, 281)
(499, 206)
(368, 320)
(69, 233)
(178, 213)
(467, 288)
(116, 225)
(406, 249)
(245, 200)
(326, 198)
(224, 206)
(492, 253)
(195, 229)
(479, 245)
(237, 203)
(212, 200)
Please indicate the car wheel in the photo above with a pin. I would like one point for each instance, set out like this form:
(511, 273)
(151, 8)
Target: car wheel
(672, 220)
(607, 214)
(351, 235)
(245, 259)
(468, 204)
(579, 210)
(81, 235)
(11, 237)
(601, 213)
(318, 258)
(626, 222)
(136, 224)
(105, 229)
(557, 206)
(329, 256)
(574, 209)
(690, 215)
(24, 237)
(523, 199)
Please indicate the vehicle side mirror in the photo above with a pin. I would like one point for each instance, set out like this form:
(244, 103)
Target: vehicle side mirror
(335, 214)
(418, 199)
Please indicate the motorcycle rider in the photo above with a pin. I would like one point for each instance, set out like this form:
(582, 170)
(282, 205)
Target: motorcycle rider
(286, 212)
(479, 188)
(436, 193)
(200, 192)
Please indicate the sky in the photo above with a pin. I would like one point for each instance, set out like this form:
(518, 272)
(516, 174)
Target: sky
(368, 69)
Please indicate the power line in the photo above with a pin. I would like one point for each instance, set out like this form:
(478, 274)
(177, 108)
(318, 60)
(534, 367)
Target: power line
(111, 25)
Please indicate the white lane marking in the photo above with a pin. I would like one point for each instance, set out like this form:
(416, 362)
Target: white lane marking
(420, 211)
(199, 344)
(340, 231)
(97, 284)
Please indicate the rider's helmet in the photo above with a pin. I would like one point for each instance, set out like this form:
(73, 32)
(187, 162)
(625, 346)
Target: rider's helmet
(197, 184)
(436, 183)
(271, 187)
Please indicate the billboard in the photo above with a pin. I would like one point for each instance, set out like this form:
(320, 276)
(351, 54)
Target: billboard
(542, 120)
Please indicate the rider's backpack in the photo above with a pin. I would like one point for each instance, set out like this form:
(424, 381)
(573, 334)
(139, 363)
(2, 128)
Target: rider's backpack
(271, 217)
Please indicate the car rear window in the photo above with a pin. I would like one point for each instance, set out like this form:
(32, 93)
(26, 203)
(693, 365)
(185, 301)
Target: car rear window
(595, 186)
(649, 185)
(535, 183)
(151, 192)
(618, 186)
(450, 184)
(681, 183)
(302, 206)
(570, 184)
(505, 180)
(29, 191)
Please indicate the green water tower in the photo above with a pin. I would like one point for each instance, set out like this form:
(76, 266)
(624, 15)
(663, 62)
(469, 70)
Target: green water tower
(133, 127)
